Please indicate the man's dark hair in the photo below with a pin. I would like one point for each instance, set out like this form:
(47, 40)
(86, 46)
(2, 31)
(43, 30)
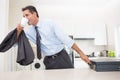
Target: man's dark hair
(31, 9)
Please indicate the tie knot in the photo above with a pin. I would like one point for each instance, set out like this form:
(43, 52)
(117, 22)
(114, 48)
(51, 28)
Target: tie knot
(36, 27)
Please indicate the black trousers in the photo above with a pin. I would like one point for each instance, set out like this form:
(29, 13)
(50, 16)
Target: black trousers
(60, 60)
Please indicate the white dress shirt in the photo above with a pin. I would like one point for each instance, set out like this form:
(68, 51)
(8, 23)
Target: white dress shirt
(53, 38)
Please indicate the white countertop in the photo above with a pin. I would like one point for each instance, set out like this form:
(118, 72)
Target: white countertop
(60, 74)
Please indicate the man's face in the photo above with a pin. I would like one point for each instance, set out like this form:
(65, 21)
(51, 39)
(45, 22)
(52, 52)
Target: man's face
(30, 16)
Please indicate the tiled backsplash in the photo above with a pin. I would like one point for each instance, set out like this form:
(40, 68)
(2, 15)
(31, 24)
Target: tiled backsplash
(88, 46)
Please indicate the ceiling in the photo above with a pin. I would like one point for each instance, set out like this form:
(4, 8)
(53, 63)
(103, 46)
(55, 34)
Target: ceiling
(82, 3)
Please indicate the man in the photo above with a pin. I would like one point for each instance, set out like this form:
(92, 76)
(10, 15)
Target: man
(52, 40)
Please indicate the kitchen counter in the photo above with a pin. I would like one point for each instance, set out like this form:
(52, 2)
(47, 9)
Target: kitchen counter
(60, 74)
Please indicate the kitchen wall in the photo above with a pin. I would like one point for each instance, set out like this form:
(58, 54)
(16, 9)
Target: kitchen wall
(3, 31)
(73, 16)
(88, 47)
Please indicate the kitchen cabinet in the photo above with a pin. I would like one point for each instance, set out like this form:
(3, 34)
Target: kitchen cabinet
(117, 41)
(100, 34)
(92, 31)
(84, 31)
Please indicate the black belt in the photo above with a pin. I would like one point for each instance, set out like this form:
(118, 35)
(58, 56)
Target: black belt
(55, 55)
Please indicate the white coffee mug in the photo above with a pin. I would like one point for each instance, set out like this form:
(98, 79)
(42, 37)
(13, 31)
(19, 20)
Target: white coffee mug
(24, 21)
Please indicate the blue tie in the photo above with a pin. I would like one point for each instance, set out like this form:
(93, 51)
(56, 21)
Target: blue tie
(38, 38)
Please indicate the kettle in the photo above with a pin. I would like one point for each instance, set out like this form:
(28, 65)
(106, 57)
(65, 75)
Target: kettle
(104, 53)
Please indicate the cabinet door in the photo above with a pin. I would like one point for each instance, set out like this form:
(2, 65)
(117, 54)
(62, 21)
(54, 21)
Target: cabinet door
(84, 31)
(100, 34)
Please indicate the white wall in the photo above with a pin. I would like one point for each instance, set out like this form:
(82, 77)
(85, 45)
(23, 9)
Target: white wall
(72, 15)
(3, 30)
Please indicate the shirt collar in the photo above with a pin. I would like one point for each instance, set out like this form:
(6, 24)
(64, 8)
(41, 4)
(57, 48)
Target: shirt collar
(38, 24)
